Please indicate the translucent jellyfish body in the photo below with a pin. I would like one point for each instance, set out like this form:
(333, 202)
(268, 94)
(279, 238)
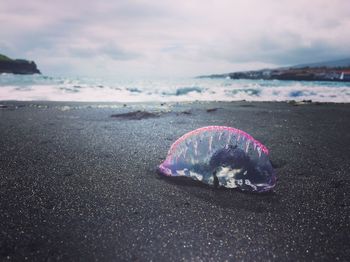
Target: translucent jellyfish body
(221, 156)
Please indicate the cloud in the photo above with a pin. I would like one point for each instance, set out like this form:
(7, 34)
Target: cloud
(285, 49)
(170, 37)
(109, 50)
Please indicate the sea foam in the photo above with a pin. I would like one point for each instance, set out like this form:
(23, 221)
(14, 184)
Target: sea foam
(40, 87)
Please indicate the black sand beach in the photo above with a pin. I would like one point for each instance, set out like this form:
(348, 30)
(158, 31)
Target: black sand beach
(78, 183)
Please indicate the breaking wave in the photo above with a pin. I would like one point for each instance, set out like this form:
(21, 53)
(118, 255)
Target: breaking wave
(40, 87)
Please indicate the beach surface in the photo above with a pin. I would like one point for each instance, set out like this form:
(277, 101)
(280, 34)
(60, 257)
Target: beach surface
(78, 182)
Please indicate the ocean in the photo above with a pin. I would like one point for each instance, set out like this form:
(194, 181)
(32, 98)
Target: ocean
(109, 89)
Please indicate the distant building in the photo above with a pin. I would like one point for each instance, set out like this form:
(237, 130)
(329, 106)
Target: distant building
(332, 75)
(266, 73)
(345, 75)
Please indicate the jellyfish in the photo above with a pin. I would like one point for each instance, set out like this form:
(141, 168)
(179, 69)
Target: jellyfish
(221, 156)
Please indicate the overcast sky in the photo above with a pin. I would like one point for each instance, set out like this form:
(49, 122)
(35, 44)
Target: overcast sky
(172, 38)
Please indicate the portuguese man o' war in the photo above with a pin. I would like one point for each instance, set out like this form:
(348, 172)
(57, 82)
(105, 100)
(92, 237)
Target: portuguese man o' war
(223, 157)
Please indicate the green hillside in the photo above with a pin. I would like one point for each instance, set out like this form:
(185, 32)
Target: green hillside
(4, 58)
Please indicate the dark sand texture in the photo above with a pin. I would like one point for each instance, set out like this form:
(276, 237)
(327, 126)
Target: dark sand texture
(77, 183)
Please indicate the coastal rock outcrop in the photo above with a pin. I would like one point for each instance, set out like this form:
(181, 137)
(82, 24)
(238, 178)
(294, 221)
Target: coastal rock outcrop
(338, 71)
(17, 66)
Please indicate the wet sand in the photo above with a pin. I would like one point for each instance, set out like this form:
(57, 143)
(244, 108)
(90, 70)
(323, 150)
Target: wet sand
(78, 183)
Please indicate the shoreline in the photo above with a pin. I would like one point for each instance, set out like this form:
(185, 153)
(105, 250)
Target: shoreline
(169, 90)
(155, 102)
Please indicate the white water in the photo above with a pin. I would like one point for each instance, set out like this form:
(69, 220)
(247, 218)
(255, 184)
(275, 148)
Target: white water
(38, 87)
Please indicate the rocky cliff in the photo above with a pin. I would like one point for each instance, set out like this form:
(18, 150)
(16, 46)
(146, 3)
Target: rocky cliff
(17, 66)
